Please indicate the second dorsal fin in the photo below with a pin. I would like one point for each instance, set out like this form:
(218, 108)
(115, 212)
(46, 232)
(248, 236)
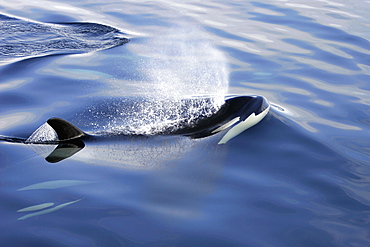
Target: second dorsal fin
(65, 130)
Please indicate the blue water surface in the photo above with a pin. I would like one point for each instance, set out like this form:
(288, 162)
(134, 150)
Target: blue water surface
(298, 178)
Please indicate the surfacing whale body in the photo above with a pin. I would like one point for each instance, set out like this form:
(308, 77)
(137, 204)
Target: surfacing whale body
(235, 115)
(194, 118)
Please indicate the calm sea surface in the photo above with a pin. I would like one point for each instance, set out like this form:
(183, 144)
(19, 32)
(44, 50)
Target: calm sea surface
(301, 177)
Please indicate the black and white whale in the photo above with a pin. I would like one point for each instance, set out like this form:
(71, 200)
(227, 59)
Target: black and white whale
(235, 116)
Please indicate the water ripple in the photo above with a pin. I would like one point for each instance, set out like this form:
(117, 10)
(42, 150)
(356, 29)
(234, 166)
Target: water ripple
(300, 178)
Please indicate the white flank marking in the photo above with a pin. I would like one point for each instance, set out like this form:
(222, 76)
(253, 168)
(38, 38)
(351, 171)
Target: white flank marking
(243, 125)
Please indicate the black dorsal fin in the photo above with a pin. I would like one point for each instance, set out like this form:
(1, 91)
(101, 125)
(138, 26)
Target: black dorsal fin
(65, 130)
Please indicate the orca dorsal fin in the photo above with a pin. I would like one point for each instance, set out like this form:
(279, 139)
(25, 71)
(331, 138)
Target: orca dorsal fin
(65, 130)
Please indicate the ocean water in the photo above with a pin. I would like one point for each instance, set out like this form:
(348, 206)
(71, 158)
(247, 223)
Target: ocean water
(298, 178)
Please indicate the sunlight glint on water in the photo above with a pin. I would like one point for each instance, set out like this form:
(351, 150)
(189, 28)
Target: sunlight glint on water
(299, 178)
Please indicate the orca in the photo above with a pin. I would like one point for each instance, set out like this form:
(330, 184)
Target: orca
(235, 116)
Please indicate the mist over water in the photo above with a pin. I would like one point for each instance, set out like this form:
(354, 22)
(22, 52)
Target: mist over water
(176, 64)
(298, 178)
(183, 63)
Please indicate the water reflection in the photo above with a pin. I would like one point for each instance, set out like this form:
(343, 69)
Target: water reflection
(46, 208)
(13, 84)
(176, 174)
(135, 153)
(55, 184)
(15, 119)
(273, 190)
(22, 39)
(41, 211)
